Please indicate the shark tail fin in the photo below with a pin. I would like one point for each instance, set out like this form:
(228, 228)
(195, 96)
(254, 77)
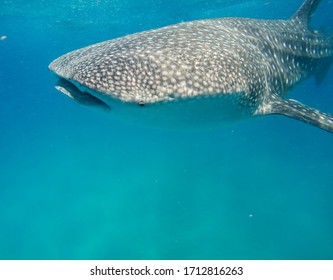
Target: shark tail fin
(296, 110)
(304, 13)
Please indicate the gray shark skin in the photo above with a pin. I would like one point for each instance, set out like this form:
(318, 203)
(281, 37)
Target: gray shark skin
(201, 72)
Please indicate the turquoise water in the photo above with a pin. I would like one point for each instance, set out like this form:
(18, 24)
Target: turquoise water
(76, 184)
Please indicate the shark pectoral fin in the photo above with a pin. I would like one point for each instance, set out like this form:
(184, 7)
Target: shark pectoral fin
(296, 110)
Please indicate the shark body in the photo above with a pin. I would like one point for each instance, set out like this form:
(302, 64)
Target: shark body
(215, 70)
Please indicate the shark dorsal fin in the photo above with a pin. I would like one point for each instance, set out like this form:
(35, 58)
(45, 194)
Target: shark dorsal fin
(304, 13)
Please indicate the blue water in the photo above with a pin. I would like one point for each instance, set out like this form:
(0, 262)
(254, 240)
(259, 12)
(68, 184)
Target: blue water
(75, 184)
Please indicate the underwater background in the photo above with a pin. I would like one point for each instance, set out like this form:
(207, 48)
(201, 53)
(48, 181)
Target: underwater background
(77, 184)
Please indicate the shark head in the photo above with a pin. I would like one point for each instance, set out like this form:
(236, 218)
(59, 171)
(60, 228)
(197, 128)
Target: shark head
(143, 80)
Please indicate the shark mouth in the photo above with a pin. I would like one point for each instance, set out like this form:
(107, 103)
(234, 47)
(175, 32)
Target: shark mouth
(83, 97)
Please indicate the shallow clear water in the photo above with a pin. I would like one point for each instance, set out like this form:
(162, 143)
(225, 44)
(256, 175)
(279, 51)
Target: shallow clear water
(76, 184)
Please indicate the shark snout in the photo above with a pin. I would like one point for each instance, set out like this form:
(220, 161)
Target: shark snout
(61, 68)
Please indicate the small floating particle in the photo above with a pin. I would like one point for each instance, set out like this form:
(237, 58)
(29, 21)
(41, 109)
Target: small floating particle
(3, 38)
(251, 216)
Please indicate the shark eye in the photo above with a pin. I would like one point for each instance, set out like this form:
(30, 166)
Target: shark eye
(171, 96)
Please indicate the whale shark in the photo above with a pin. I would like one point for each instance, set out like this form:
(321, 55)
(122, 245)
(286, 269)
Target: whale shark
(202, 72)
